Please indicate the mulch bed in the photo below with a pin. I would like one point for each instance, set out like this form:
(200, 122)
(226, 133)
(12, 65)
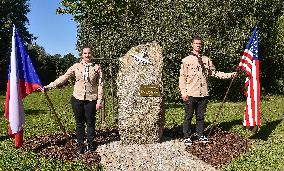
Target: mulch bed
(56, 146)
(221, 149)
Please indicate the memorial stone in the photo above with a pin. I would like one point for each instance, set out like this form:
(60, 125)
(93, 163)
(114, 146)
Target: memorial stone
(140, 95)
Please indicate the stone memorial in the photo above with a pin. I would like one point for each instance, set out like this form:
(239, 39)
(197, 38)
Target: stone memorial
(140, 95)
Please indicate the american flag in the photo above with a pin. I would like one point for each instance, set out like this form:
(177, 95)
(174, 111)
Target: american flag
(250, 64)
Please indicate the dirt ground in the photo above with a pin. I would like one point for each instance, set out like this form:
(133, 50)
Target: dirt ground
(221, 149)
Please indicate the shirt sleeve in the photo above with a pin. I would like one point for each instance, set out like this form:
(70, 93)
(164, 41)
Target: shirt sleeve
(217, 74)
(100, 86)
(182, 80)
(63, 78)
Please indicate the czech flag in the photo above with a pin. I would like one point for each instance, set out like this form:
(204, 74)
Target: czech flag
(22, 80)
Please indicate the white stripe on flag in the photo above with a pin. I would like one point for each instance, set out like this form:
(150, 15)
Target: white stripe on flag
(249, 100)
(16, 110)
(255, 88)
(247, 68)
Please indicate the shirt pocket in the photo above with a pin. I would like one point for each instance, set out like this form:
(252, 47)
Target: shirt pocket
(78, 74)
(94, 74)
(189, 72)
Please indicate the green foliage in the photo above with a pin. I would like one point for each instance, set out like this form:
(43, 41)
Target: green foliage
(113, 27)
(278, 72)
(49, 67)
(11, 12)
(14, 12)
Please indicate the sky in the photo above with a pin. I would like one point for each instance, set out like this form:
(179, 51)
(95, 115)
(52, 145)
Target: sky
(56, 33)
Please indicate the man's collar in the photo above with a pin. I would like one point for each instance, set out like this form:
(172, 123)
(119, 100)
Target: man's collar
(86, 63)
(193, 54)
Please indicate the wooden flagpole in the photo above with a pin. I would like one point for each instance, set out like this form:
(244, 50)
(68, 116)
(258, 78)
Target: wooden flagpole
(57, 119)
(220, 107)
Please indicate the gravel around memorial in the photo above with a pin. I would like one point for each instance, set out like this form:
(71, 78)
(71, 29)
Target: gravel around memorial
(167, 155)
(170, 154)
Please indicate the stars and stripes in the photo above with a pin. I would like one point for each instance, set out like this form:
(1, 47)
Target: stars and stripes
(250, 64)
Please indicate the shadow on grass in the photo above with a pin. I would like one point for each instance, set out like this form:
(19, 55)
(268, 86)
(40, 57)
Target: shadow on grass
(35, 112)
(173, 105)
(226, 126)
(266, 130)
(4, 137)
(177, 133)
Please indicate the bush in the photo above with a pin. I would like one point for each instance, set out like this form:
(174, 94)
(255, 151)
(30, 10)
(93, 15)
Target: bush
(113, 27)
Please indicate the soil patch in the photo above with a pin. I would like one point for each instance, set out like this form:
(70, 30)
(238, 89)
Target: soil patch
(221, 149)
(55, 146)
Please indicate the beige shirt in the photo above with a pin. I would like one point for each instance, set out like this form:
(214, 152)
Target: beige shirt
(88, 84)
(194, 72)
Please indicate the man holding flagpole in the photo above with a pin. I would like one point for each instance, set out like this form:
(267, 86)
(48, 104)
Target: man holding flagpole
(193, 84)
(87, 97)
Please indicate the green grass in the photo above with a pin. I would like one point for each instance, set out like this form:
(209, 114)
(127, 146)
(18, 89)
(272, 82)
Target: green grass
(39, 121)
(266, 152)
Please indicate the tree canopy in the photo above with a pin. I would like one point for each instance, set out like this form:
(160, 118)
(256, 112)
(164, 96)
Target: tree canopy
(11, 12)
(49, 67)
(113, 27)
(15, 12)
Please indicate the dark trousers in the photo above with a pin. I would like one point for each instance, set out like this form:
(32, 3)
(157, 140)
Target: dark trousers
(85, 113)
(197, 105)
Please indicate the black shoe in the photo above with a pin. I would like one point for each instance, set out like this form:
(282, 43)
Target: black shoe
(203, 139)
(80, 148)
(187, 142)
(92, 146)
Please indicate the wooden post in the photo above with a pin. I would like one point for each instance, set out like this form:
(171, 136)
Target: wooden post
(114, 117)
(57, 119)
(220, 107)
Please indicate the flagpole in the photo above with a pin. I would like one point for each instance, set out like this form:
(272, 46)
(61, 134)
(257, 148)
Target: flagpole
(50, 105)
(220, 107)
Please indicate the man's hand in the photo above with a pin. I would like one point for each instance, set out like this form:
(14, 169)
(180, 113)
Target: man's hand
(99, 106)
(44, 89)
(234, 75)
(185, 98)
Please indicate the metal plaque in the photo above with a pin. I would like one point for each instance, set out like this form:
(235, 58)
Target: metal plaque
(150, 90)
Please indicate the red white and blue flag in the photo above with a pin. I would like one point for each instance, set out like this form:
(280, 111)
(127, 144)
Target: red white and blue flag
(250, 64)
(22, 80)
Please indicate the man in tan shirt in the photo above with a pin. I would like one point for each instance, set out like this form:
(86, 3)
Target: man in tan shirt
(87, 97)
(193, 84)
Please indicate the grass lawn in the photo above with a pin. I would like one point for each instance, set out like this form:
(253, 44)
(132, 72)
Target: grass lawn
(266, 152)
